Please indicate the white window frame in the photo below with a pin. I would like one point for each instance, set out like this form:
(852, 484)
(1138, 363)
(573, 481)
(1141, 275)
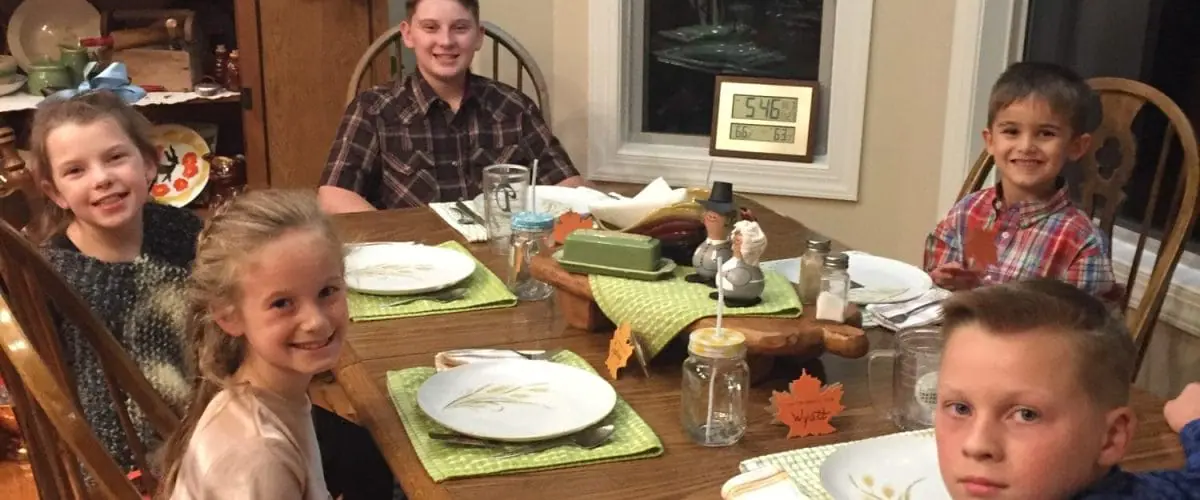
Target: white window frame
(613, 155)
(988, 36)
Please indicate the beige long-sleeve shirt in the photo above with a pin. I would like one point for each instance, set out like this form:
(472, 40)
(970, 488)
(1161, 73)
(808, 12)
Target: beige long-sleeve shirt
(252, 444)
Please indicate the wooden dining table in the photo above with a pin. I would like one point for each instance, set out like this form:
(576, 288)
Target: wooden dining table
(685, 469)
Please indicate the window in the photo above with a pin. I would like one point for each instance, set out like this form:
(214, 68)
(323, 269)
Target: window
(1161, 49)
(686, 43)
(652, 69)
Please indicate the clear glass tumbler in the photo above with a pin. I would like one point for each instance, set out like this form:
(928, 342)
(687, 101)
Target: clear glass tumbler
(505, 188)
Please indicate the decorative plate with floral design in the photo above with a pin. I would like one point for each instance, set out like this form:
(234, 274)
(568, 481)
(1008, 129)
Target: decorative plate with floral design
(182, 169)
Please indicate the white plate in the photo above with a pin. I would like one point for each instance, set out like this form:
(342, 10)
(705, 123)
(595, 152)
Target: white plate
(902, 463)
(516, 400)
(37, 27)
(404, 268)
(885, 280)
(556, 200)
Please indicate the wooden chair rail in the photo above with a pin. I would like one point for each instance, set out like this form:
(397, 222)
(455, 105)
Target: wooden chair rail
(500, 38)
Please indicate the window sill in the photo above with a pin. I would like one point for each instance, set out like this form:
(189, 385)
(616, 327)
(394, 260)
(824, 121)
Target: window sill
(1183, 295)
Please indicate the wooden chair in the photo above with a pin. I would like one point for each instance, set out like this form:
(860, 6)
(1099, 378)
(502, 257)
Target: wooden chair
(53, 425)
(1103, 191)
(58, 436)
(525, 63)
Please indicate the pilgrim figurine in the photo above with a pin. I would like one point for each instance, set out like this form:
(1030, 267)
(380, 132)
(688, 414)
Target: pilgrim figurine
(716, 247)
(740, 278)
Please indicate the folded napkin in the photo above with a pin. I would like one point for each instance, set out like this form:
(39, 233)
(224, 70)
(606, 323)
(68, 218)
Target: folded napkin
(803, 465)
(659, 310)
(473, 232)
(767, 483)
(633, 439)
(880, 314)
(485, 290)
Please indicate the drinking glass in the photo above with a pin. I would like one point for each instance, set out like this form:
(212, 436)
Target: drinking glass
(915, 361)
(504, 190)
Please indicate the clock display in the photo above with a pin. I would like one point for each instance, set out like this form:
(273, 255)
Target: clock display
(762, 133)
(760, 107)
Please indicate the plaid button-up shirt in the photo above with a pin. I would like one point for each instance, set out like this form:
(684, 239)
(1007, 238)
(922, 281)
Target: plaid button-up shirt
(1041, 239)
(400, 145)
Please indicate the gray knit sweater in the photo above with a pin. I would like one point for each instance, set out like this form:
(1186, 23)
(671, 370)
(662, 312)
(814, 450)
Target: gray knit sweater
(142, 303)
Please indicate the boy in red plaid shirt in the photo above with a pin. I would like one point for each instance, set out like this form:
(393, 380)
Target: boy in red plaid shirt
(1026, 226)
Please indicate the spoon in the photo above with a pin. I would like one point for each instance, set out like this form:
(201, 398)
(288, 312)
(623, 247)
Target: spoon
(586, 439)
(450, 295)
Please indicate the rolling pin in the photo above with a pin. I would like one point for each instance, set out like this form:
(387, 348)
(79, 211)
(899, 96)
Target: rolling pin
(158, 34)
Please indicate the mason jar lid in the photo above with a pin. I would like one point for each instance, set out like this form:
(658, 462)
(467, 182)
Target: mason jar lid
(710, 344)
(819, 245)
(837, 261)
(532, 221)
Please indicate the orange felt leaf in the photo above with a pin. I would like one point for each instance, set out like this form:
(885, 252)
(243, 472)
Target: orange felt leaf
(568, 223)
(619, 350)
(979, 248)
(807, 407)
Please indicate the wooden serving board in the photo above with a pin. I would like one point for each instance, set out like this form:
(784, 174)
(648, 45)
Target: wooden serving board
(803, 336)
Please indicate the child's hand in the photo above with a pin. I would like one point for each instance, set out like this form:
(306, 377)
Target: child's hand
(1183, 409)
(953, 276)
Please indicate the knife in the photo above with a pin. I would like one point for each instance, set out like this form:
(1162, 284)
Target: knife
(470, 213)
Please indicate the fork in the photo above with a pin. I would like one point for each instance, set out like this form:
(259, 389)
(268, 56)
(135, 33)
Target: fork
(902, 317)
(546, 355)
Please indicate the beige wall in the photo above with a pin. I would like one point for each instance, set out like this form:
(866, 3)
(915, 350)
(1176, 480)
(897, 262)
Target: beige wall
(902, 140)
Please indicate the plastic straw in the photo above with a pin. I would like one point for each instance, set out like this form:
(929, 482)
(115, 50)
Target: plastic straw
(720, 297)
(712, 374)
(533, 190)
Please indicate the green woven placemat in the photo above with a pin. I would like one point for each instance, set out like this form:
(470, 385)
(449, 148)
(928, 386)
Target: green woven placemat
(485, 290)
(633, 439)
(659, 310)
(804, 465)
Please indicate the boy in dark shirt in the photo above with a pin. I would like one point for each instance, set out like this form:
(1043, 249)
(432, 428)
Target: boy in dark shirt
(1033, 400)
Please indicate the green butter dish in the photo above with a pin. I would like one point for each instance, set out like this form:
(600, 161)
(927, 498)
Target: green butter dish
(666, 267)
(612, 249)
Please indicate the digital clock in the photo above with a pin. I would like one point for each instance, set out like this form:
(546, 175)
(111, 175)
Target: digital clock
(763, 118)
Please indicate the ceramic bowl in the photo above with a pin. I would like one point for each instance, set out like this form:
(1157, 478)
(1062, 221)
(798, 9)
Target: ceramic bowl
(689, 208)
(11, 84)
(8, 65)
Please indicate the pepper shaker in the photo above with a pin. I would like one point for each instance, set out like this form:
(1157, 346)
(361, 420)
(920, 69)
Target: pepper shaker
(221, 55)
(811, 264)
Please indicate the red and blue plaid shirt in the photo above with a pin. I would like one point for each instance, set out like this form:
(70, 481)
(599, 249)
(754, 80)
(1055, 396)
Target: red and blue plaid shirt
(1038, 239)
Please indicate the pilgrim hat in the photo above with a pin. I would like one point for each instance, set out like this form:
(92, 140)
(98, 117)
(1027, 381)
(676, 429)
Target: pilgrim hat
(720, 199)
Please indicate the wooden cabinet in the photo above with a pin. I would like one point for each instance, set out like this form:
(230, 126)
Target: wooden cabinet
(296, 59)
(299, 55)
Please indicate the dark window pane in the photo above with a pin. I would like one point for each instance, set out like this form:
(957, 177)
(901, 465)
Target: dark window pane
(1153, 41)
(689, 42)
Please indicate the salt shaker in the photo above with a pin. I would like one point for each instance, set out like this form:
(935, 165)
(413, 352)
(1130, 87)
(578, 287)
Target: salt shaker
(835, 288)
(716, 381)
(811, 264)
(531, 234)
(233, 72)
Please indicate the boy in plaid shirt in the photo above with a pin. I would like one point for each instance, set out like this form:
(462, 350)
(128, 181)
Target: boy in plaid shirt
(1026, 226)
(1033, 400)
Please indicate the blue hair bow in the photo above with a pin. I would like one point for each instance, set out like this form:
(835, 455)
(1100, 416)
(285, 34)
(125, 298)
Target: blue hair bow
(114, 78)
